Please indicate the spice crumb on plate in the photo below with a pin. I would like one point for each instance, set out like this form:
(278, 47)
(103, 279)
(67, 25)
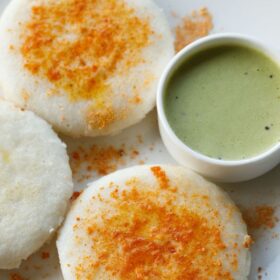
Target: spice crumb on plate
(15, 276)
(248, 241)
(103, 160)
(75, 195)
(193, 27)
(100, 159)
(45, 255)
(262, 216)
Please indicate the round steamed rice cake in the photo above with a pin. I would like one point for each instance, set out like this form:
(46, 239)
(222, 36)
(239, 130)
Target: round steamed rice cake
(88, 67)
(35, 184)
(154, 222)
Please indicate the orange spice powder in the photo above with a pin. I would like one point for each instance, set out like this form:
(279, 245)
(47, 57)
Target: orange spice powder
(78, 44)
(100, 159)
(75, 195)
(193, 27)
(45, 255)
(16, 276)
(161, 177)
(155, 239)
(260, 217)
(102, 118)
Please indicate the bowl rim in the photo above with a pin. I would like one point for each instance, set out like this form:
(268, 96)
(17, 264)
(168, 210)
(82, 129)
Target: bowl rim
(172, 66)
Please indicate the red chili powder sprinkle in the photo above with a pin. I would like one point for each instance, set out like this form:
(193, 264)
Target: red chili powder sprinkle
(260, 217)
(16, 276)
(45, 255)
(154, 239)
(78, 45)
(193, 27)
(75, 195)
(102, 160)
(75, 156)
(161, 177)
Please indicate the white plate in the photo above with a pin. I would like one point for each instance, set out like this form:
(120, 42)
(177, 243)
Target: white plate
(258, 18)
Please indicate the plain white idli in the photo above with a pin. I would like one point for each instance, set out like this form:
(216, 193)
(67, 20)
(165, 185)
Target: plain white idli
(35, 184)
(154, 222)
(88, 67)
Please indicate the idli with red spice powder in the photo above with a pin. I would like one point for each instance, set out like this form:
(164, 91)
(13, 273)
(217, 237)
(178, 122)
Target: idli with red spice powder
(154, 222)
(88, 67)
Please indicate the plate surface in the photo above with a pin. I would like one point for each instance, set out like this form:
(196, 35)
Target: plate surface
(142, 142)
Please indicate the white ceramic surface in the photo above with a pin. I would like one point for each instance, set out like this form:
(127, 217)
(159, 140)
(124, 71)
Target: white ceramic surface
(258, 18)
(219, 170)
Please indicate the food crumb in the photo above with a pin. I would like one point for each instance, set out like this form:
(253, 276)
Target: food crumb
(16, 276)
(75, 195)
(248, 241)
(193, 27)
(134, 153)
(259, 273)
(261, 217)
(45, 255)
(100, 159)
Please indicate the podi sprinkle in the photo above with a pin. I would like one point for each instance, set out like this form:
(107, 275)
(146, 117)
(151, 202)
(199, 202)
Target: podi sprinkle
(100, 159)
(262, 216)
(77, 49)
(193, 27)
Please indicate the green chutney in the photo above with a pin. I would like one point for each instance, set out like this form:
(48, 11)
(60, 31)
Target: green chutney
(224, 102)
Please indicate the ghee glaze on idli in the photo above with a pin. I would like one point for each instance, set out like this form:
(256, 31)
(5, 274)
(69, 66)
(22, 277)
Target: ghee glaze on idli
(154, 222)
(89, 67)
(35, 184)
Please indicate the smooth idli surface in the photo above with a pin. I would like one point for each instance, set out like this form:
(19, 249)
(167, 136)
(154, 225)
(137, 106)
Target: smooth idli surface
(35, 184)
(89, 67)
(154, 222)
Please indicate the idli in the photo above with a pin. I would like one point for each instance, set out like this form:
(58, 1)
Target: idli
(88, 67)
(154, 222)
(35, 184)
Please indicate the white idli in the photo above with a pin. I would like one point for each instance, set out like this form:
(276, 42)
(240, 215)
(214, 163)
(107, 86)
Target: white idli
(35, 184)
(154, 222)
(88, 67)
